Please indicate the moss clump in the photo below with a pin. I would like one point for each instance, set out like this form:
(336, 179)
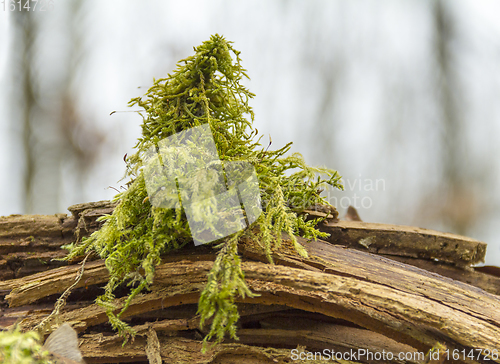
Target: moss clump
(22, 348)
(204, 89)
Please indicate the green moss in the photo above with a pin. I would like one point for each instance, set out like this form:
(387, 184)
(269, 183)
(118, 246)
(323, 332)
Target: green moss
(204, 89)
(21, 348)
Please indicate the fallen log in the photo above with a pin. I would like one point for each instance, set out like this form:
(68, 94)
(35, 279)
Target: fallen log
(403, 241)
(339, 299)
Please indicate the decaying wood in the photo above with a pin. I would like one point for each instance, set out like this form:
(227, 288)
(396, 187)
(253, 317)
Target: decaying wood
(405, 241)
(315, 337)
(339, 298)
(21, 256)
(153, 348)
(96, 208)
(181, 350)
(383, 296)
(488, 282)
(27, 290)
(30, 243)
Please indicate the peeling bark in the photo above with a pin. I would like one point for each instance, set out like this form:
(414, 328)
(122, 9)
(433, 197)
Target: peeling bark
(338, 298)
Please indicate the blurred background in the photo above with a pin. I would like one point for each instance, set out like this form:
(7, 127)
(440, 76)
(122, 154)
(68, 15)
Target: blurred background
(401, 97)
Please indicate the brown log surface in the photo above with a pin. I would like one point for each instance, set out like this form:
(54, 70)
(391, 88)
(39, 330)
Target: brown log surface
(375, 293)
(338, 298)
(406, 241)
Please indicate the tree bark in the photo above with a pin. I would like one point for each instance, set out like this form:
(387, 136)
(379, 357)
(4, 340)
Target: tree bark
(338, 298)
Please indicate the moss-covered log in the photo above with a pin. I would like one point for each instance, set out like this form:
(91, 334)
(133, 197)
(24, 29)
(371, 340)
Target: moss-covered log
(342, 298)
